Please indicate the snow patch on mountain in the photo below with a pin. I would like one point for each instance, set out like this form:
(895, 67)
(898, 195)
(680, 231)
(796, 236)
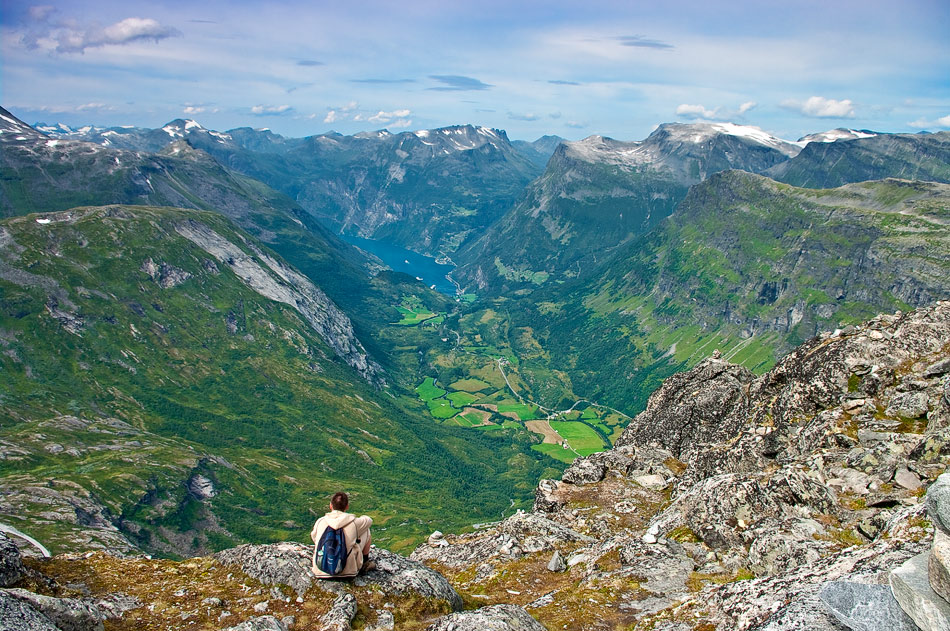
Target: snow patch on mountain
(833, 135)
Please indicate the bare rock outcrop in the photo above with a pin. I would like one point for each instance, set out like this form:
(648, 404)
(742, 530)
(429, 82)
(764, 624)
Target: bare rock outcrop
(11, 564)
(493, 618)
(274, 280)
(289, 564)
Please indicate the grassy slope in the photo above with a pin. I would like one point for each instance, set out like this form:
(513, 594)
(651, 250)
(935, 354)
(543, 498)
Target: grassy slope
(725, 271)
(265, 410)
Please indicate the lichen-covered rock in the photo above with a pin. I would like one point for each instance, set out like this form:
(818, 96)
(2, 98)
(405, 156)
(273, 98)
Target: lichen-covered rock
(863, 607)
(284, 563)
(720, 508)
(493, 618)
(68, 614)
(521, 533)
(663, 568)
(260, 623)
(11, 564)
(16, 615)
(939, 564)
(708, 403)
(289, 564)
(341, 614)
(395, 574)
(908, 405)
(780, 546)
(911, 585)
(938, 502)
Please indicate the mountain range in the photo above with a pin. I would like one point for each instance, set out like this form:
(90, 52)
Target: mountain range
(185, 293)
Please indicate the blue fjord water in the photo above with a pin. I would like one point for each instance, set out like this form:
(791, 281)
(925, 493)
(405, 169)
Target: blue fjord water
(408, 262)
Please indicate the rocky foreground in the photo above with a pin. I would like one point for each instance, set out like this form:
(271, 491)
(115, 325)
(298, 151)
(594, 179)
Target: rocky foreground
(806, 498)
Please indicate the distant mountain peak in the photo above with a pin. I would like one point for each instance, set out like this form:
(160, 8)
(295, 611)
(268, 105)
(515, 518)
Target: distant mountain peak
(840, 133)
(702, 132)
(179, 127)
(12, 127)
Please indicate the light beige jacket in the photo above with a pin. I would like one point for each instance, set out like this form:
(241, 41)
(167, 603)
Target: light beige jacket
(355, 529)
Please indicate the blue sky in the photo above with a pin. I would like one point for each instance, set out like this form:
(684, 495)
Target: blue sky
(616, 68)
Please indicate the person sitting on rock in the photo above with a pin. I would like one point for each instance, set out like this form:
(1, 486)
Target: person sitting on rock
(353, 557)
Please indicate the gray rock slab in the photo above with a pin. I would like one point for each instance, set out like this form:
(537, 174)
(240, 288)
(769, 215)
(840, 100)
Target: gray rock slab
(68, 614)
(939, 564)
(11, 563)
(938, 502)
(275, 564)
(911, 586)
(395, 574)
(16, 615)
(493, 618)
(261, 623)
(341, 614)
(862, 607)
(557, 563)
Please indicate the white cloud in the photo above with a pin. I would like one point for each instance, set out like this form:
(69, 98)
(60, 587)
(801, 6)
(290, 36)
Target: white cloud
(87, 107)
(716, 114)
(269, 110)
(943, 123)
(528, 116)
(330, 117)
(76, 39)
(696, 111)
(820, 107)
(384, 118)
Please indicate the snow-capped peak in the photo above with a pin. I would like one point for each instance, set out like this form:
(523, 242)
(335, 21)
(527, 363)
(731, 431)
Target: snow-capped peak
(833, 135)
(701, 132)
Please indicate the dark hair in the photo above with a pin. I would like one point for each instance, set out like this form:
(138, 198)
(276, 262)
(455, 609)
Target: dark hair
(339, 501)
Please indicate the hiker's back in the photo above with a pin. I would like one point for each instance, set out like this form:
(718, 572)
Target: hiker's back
(338, 528)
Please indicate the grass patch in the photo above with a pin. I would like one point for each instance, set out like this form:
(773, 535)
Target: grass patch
(461, 399)
(427, 390)
(523, 411)
(556, 451)
(470, 385)
(581, 437)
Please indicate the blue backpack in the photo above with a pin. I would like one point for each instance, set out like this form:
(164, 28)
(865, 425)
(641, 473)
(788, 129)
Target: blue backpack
(332, 551)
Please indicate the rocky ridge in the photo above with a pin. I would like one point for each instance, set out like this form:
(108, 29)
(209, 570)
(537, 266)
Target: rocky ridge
(732, 500)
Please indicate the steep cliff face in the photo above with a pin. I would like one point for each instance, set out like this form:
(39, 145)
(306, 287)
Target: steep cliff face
(733, 499)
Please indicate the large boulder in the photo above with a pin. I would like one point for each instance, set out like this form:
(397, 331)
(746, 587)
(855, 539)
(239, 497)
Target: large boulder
(284, 563)
(493, 618)
(706, 404)
(938, 503)
(289, 564)
(11, 564)
(519, 534)
(67, 614)
(341, 614)
(863, 607)
(17, 615)
(911, 586)
(396, 575)
(720, 509)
